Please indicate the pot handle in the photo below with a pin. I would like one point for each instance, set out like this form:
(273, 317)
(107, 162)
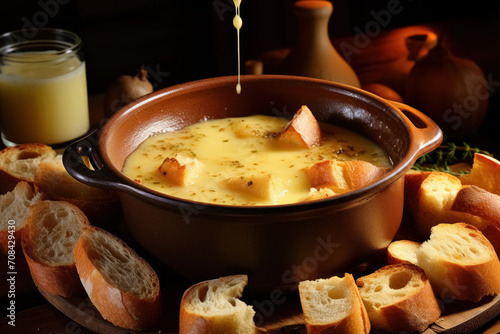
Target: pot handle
(426, 133)
(98, 174)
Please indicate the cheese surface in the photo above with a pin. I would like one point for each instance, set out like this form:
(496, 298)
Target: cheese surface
(232, 154)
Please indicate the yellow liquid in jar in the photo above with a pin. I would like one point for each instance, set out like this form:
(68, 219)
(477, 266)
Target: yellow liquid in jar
(43, 103)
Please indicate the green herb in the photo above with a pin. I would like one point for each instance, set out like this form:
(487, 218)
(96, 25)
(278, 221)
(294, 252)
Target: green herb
(446, 155)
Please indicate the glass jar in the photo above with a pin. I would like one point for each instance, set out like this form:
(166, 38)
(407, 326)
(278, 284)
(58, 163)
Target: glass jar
(43, 88)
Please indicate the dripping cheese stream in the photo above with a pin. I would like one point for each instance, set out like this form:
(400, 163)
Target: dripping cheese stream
(237, 22)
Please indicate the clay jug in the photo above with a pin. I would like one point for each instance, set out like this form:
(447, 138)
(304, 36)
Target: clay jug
(314, 55)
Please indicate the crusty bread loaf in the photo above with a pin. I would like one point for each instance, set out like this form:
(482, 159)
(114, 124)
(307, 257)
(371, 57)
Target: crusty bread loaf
(302, 131)
(460, 262)
(52, 179)
(14, 208)
(485, 173)
(399, 298)
(213, 307)
(121, 285)
(19, 163)
(52, 229)
(402, 251)
(431, 204)
(333, 305)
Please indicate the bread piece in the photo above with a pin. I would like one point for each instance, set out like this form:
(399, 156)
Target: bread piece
(327, 174)
(460, 262)
(213, 307)
(413, 181)
(485, 173)
(342, 176)
(264, 186)
(432, 203)
(52, 179)
(321, 193)
(333, 305)
(478, 202)
(19, 163)
(402, 251)
(121, 285)
(302, 131)
(52, 230)
(14, 208)
(180, 170)
(399, 298)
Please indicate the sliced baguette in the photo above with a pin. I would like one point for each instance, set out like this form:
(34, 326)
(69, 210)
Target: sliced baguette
(431, 204)
(14, 208)
(333, 305)
(121, 285)
(399, 298)
(492, 233)
(52, 230)
(460, 262)
(402, 251)
(302, 131)
(213, 307)
(19, 163)
(52, 179)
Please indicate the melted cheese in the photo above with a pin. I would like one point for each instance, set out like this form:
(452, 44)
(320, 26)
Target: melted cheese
(241, 147)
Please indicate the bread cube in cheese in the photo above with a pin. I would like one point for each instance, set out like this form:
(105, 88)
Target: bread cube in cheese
(266, 186)
(180, 170)
(302, 131)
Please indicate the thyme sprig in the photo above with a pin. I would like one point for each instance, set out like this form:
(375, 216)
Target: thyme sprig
(447, 155)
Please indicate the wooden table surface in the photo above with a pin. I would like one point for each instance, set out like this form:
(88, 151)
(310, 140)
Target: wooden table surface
(34, 314)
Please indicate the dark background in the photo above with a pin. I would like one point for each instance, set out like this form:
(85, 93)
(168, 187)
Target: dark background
(180, 40)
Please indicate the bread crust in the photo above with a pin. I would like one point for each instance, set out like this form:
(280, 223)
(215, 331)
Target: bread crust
(462, 279)
(121, 308)
(415, 312)
(477, 201)
(199, 323)
(56, 279)
(302, 131)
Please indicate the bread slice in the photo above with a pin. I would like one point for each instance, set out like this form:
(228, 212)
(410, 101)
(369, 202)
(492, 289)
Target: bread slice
(432, 203)
(403, 251)
(413, 181)
(302, 131)
(180, 170)
(460, 262)
(52, 179)
(263, 186)
(51, 232)
(213, 307)
(333, 305)
(14, 208)
(399, 298)
(121, 285)
(19, 163)
(485, 173)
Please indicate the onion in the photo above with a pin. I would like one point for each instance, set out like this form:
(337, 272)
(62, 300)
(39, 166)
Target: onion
(453, 91)
(125, 89)
(383, 91)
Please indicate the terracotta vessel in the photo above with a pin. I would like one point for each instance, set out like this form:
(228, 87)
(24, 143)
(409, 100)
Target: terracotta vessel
(313, 54)
(277, 246)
